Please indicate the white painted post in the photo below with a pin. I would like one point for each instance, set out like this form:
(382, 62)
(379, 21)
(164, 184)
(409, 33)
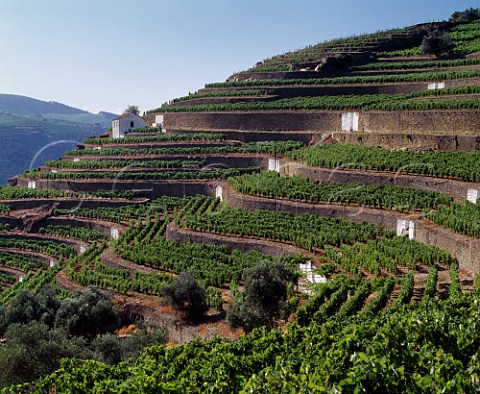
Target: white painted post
(355, 120)
(307, 270)
(52, 263)
(435, 85)
(114, 232)
(274, 165)
(411, 230)
(402, 225)
(350, 121)
(473, 195)
(159, 123)
(219, 192)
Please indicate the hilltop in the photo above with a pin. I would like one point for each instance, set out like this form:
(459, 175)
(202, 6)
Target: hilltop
(312, 222)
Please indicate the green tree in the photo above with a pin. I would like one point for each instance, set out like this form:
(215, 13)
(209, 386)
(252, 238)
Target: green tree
(32, 350)
(470, 14)
(107, 349)
(264, 298)
(88, 314)
(133, 109)
(186, 295)
(437, 43)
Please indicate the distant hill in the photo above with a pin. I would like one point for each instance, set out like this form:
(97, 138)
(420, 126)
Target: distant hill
(33, 131)
(51, 110)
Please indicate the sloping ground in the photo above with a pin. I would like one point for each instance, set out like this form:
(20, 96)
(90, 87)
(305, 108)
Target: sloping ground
(421, 102)
(389, 229)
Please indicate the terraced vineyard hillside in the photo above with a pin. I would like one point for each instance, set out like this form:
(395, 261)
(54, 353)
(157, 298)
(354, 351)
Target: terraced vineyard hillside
(348, 164)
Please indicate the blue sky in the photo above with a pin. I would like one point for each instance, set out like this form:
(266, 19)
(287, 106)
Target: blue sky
(106, 54)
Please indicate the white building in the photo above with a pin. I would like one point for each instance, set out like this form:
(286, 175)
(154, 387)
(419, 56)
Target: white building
(125, 123)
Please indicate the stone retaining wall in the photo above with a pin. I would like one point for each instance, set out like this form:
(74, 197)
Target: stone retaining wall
(452, 123)
(102, 227)
(76, 244)
(454, 188)
(150, 189)
(66, 203)
(357, 214)
(466, 250)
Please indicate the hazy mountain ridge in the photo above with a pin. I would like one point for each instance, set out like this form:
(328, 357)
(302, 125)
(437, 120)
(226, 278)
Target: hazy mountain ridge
(28, 126)
(30, 107)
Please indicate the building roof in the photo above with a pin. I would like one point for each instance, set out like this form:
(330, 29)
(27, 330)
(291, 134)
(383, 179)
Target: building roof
(127, 114)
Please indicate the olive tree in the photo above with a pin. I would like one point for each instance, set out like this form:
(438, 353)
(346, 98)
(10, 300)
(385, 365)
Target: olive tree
(264, 297)
(186, 296)
(437, 43)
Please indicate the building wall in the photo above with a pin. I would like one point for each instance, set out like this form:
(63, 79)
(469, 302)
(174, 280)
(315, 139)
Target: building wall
(123, 125)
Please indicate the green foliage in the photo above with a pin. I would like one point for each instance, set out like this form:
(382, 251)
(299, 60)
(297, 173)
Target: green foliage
(186, 296)
(431, 285)
(264, 298)
(81, 233)
(306, 231)
(127, 211)
(211, 263)
(32, 351)
(124, 164)
(4, 209)
(468, 15)
(214, 298)
(455, 289)
(41, 329)
(348, 80)
(278, 147)
(381, 102)
(110, 349)
(220, 93)
(147, 130)
(12, 193)
(19, 261)
(88, 314)
(271, 184)
(48, 247)
(415, 51)
(380, 301)
(437, 43)
(132, 109)
(459, 165)
(386, 253)
(156, 138)
(406, 292)
(137, 175)
(464, 219)
(417, 64)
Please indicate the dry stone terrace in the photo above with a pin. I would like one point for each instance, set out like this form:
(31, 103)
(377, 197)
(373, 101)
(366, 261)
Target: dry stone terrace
(198, 146)
(357, 158)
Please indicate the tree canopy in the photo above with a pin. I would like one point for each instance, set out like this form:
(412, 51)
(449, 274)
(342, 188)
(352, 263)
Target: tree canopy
(264, 297)
(186, 295)
(133, 109)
